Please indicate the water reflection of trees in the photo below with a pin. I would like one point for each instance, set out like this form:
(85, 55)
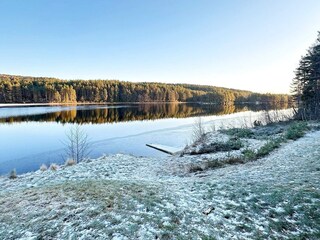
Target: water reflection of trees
(99, 115)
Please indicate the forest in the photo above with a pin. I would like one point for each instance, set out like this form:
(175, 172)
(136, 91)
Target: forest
(21, 89)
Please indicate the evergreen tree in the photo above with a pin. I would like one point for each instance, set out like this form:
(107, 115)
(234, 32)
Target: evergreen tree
(306, 84)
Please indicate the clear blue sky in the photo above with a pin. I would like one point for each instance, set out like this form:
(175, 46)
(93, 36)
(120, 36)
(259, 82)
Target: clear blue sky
(247, 44)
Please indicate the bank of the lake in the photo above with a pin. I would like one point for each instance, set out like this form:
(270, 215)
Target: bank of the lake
(32, 136)
(125, 197)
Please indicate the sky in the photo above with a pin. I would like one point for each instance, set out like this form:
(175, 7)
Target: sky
(249, 44)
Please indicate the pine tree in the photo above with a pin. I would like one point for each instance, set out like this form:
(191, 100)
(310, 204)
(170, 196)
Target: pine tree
(306, 84)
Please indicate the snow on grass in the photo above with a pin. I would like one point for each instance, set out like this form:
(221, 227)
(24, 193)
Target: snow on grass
(126, 197)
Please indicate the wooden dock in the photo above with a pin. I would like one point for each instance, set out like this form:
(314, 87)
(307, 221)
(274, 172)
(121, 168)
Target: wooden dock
(165, 149)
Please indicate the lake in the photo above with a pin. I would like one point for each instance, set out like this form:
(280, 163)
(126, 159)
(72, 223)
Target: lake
(34, 135)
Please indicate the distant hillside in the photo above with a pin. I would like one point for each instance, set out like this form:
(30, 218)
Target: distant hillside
(22, 89)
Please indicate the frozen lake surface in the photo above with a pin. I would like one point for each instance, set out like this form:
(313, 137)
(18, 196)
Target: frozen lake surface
(31, 136)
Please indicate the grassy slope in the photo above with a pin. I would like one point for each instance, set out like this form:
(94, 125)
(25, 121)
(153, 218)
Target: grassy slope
(124, 197)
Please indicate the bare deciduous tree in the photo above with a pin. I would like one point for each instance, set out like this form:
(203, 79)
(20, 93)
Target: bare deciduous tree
(77, 144)
(198, 130)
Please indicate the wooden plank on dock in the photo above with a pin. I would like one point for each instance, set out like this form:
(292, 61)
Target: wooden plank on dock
(165, 149)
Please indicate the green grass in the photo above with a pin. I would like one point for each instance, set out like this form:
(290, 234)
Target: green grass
(212, 164)
(266, 149)
(238, 132)
(296, 130)
(230, 145)
(249, 154)
(269, 147)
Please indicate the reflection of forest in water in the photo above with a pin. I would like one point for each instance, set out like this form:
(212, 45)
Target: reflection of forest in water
(102, 114)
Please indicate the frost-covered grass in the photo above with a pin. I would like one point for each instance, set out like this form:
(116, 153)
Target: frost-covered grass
(268, 147)
(230, 145)
(253, 143)
(239, 132)
(126, 197)
(296, 130)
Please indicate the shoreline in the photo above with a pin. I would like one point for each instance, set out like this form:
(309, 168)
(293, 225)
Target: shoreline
(9, 105)
(164, 198)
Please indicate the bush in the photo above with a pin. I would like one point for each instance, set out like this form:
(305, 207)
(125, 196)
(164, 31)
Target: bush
(257, 123)
(249, 154)
(235, 160)
(238, 132)
(269, 147)
(54, 167)
(198, 131)
(13, 174)
(192, 168)
(296, 130)
(230, 145)
(43, 167)
(70, 162)
(233, 144)
(212, 164)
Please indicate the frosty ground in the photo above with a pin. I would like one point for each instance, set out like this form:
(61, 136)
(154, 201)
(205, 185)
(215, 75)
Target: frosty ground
(127, 197)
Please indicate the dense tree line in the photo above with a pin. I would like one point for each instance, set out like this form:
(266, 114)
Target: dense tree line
(19, 89)
(306, 84)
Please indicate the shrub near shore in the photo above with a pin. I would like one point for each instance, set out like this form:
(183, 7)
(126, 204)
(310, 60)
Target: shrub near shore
(241, 145)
